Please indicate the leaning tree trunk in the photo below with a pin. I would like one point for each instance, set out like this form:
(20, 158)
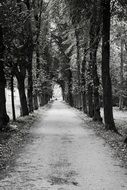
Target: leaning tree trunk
(4, 119)
(106, 79)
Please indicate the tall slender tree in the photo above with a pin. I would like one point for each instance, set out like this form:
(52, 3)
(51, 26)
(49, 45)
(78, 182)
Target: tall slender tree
(106, 79)
(30, 49)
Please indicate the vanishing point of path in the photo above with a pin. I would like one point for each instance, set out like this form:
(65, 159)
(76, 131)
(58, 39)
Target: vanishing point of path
(64, 154)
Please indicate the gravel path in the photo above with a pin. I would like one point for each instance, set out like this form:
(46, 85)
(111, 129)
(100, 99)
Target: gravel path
(64, 154)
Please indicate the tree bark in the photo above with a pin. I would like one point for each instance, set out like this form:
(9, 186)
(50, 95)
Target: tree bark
(63, 94)
(90, 75)
(42, 99)
(121, 76)
(22, 95)
(35, 98)
(83, 81)
(90, 87)
(36, 104)
(94, 42)
(4, 118)
(30, 47)
(30, 85)
(106, 79)
(78, 67)
(70, 97)
(96, 116)
(12, 98)
(20, 73)
(90, 101)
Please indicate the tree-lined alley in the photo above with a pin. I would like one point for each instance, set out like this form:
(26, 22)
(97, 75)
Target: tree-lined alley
(71, 43)
(73, 49)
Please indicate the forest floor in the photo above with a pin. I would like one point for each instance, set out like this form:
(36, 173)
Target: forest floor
(59, 148)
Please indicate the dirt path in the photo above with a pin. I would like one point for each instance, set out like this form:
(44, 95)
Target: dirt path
(64, 154)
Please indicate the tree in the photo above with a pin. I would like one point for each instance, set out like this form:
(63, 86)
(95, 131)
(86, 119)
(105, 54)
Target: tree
(95, 36)
(16, 42)
(30, 49)
(106, 79)
(4, 118)
(12, 97)
(83, 83)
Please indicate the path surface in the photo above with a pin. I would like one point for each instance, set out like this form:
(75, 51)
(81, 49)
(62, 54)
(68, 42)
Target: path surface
(64, 154)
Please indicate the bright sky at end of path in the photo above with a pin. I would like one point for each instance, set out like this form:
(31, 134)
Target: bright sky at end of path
(57, 92)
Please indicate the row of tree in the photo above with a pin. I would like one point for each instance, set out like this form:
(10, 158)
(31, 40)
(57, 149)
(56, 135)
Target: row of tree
(81, 30)
(69, 42)
(24, 55)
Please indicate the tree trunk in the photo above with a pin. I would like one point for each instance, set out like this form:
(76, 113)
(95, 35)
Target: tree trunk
(4, 118)
(83, 80)
(46, 98)
(90, 88)
(121, 102)
(29, 50)
(42, 99)
(106, 79)
(121, 76)
(63, 94)
(36, 105)
(30, 85)
(97, 116)
(12, 98)
(37, 61)
(78, 67)
(90, 101)
(94, 42)
(35, 98)
(70, 97)
(22, 95)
